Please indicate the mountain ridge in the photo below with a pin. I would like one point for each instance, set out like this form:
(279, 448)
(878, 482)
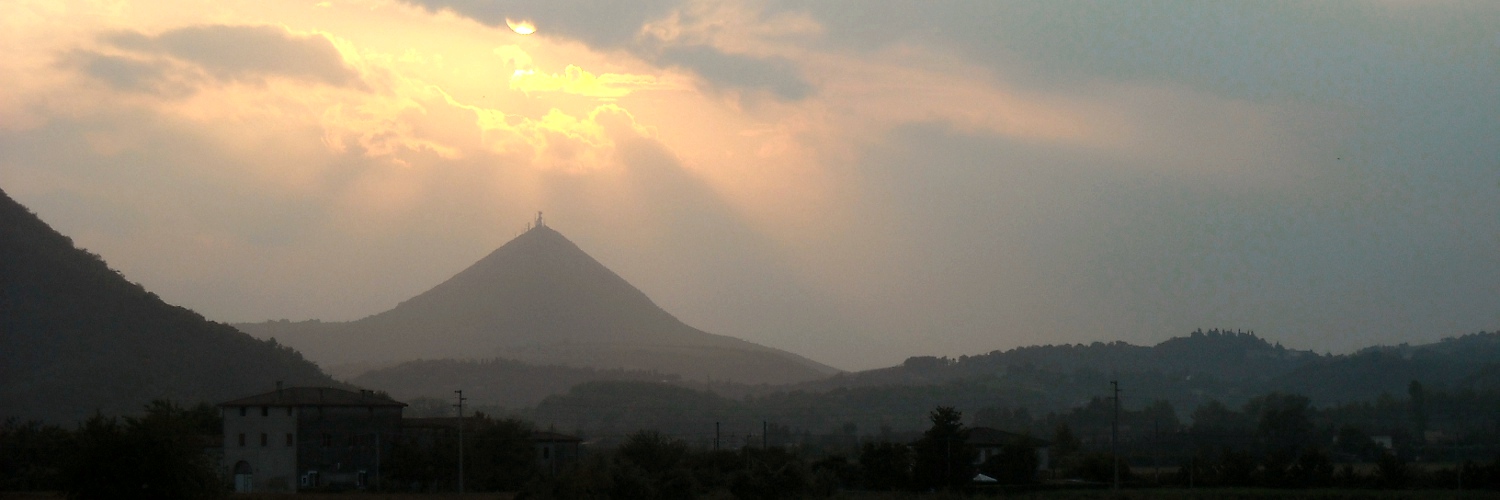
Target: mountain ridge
(540, 299)
(77, 337)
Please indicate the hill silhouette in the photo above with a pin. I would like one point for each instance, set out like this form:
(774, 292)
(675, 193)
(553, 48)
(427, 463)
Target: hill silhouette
(76, 337)
(493, 382)
(1225, 355)
(540, 299)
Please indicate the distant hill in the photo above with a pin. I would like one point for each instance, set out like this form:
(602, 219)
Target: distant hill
(493, 382)
(1033, 386)
(1227, 366)
(76, 337)
(1224, 355)
(540, 299)
(1466, 362)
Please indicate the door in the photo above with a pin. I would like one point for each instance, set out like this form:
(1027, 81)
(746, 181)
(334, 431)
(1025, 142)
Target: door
(244, 478)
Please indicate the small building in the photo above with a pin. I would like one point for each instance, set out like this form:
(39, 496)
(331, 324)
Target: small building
(308, 437)
(990, 442)
(554, 451)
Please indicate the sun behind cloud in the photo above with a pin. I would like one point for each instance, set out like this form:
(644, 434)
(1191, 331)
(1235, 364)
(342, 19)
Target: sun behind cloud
(522, 27)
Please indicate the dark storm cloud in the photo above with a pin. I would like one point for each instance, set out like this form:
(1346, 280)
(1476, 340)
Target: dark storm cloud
(1264, 50)
(778, 76)
(131, 75)
(246, 54)
(616, 26)
(605, 25)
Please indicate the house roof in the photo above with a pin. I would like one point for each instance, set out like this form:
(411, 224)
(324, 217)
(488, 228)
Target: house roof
(452, 423)
(549, 436)
(315, 396)
(432, 422)
(986, 436)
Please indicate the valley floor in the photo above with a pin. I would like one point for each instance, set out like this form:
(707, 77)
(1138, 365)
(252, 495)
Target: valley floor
(1139, 494)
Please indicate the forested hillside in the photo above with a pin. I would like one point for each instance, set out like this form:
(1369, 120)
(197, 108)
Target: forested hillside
(495, 382)
(76, 337)
(1019, 389)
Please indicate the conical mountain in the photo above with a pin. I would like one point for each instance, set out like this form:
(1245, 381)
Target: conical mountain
(76, 337)
(541, 299)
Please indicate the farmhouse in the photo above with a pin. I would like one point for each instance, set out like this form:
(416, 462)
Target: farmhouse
(991, 442)
(308, 437)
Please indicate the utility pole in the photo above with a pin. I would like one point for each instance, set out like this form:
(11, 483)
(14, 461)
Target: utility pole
(460, 406)
(1114, 434)
(948, 464)
(763, 428)
(716, 436)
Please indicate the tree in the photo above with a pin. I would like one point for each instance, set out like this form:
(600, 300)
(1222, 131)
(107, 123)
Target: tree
(1064, 442)
(1015, 464)
(1313, 469)
(770, 474)
(160, 455)
(1215, 420)
(499, 454)
(944, 458)
(1418, 409)
(31, 455)
(1285, 422)
(651, 465)
(1353, 441)
(1391, 471)
(886, 465)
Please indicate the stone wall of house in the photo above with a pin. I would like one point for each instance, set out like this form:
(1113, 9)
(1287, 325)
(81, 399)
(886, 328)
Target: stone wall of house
(264, 440)
(343, 446)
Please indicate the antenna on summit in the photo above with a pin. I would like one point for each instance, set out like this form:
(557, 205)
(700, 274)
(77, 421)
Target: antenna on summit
(539, 222)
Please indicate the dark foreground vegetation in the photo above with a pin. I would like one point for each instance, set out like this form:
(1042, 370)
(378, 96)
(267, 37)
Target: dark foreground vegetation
(169, 453)
(158, 455)
(76, 337)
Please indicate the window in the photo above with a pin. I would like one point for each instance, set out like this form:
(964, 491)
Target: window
(546, 451)
(288, 411)
(288, 439)
(327, 440)
(242, 438)
(242, 411)
(265, 411)
(264, 439)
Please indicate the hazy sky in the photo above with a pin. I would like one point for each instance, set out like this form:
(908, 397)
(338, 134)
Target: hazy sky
(854, 181)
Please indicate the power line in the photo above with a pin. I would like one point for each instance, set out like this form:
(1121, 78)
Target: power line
(460, 406)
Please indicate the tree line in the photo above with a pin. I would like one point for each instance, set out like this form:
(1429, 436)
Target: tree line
(1276, 440)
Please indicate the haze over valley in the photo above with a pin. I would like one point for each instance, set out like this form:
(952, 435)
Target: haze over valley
(854, 189)
(748, 248)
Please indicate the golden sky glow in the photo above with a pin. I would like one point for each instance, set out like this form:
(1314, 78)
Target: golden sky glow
(984, 161)
(522, 27)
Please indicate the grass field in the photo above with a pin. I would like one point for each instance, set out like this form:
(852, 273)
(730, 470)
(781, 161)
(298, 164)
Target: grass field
(1185, 494)
(1143, 494)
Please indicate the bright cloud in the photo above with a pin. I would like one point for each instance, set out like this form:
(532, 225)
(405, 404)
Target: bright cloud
(915, 179)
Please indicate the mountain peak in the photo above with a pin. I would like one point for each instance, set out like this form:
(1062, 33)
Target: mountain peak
(541, 298)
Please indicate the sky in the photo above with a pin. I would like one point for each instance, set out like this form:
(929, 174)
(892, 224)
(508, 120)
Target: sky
(853, 181)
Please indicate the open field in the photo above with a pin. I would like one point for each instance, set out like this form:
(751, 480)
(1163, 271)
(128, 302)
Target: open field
(1185, 494)
(1143, 494)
